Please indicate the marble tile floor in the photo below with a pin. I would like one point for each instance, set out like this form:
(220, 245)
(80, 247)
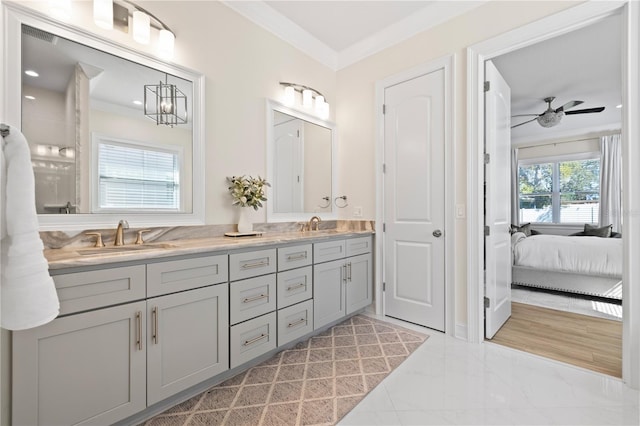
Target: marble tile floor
(567, 302)
(448, 381)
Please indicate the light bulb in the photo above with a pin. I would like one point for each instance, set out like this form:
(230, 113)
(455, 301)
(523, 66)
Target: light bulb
(166, 43)
(60, 9)
(307, 98)
(166, 107)
(141, 27)
(319, 104)
(103, 13)
(289, 95)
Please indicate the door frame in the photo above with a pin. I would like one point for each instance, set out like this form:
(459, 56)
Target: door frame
(549, 27)
(446, 63)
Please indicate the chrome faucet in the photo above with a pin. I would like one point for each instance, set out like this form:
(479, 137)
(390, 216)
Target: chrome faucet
(316, 220)
(119, 240)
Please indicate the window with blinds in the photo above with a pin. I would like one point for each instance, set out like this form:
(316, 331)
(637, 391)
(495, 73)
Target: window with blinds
(137, 177)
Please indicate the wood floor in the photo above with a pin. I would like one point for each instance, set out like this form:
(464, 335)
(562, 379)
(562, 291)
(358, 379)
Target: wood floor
(584, 341)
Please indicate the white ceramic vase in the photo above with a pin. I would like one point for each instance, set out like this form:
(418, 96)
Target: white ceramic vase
(244, 225)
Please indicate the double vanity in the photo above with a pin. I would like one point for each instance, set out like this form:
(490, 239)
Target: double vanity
(144, 327)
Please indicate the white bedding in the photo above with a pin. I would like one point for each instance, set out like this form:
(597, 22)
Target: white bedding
(587, 255)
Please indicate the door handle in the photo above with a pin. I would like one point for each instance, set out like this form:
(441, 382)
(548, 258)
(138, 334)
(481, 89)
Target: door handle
(437, 233)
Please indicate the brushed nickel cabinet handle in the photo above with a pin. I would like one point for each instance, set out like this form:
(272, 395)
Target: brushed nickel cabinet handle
(255, 265)
(295, 323)
(255, 339)
(300, 256)
(139, 330)
(344, 272)
(349, 271)
(254, 298)
(154, 331)
(295, 287)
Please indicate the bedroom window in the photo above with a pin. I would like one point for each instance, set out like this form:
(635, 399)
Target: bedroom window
(559, 191)
(135, 175)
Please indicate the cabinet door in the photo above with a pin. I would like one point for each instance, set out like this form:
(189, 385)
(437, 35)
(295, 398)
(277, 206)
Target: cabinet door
(328, 292)
(359, 282)
(82, 369)
(188, 340)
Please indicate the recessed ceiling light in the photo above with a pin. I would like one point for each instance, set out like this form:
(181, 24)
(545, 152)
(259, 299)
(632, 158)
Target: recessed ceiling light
(31, 73)
(619, 106)
(31, 98)
(137, 102)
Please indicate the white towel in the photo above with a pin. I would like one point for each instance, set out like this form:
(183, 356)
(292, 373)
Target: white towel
(28, 294)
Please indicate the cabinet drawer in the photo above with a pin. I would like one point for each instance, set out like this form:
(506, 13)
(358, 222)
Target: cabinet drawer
(252, 264)
(252, 338)
(356, 246)
(295, 286)
(294, 322)
(252, 297)
(328, 250)
(294, 257)
(178, 275)
(81, 291)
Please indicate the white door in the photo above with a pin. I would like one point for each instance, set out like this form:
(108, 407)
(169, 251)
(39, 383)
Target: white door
(414, 200)
(497, 202)
(288, 182)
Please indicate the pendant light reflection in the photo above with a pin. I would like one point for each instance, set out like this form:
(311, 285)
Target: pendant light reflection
(165, 104)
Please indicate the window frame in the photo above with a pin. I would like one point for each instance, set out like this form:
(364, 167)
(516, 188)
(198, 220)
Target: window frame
(97, 139)
(555, 183)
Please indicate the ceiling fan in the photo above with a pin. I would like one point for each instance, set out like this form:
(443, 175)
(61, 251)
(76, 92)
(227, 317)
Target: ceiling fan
(552, 117)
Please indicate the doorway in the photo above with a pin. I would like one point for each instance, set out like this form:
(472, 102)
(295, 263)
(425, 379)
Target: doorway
(560, 23)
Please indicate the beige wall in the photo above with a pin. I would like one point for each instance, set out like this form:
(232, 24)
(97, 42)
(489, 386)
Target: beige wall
(355, 114)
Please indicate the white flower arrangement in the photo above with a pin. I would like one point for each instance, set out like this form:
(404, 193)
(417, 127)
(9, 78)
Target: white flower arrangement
(247, 191)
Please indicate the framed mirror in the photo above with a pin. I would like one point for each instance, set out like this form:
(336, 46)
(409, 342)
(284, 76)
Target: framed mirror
(301, 152)
(89, 111)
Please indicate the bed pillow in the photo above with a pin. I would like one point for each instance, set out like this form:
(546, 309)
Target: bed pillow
(594, 231)
(525, 229)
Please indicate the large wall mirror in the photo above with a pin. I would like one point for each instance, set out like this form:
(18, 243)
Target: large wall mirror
(300, 165)
(98, 154)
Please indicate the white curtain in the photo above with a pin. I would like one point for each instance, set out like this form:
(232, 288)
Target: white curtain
(515, 211)
(610, 181)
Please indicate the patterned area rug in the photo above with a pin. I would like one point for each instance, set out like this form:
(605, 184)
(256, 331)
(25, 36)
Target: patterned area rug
(315, 383)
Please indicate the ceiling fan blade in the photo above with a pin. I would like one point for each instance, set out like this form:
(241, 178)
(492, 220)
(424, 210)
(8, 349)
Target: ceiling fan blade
(568, 105)
(585, 111)
(529, 121)
(525, 115)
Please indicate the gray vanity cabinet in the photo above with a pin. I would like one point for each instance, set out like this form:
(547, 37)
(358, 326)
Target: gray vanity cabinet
(87, 368)
(344, 285)
(187, 339)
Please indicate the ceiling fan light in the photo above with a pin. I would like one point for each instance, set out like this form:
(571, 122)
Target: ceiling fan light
(550, 119)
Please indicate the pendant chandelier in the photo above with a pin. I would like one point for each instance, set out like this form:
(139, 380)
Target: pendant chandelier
(165, 104)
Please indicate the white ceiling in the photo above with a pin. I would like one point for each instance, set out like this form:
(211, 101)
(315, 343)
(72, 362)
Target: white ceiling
(581, 65)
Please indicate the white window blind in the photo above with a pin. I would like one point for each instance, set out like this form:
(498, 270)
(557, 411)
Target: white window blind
(137, 177)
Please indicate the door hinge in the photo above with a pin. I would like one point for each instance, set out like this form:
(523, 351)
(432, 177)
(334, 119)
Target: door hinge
(487, 302)
(487, 231)
(384, 286)
(298, 133)
(384, 168)
(487, 86)
(384, 227)
(384, 109)
(487, 158)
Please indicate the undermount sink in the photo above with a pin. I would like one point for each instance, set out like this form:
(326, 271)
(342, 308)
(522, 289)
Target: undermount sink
(95, 251)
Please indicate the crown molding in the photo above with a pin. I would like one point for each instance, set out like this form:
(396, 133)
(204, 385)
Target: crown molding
(266, 17)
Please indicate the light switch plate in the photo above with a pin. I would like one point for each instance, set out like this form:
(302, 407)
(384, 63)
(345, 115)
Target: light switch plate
(357, 211)
(460, 211)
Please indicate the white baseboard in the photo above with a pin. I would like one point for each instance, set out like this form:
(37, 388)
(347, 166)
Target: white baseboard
(461, 332)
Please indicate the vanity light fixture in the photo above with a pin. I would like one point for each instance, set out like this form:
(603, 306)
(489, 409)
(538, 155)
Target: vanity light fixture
(165, 104)
(129, 17)
(309, 97)
(60, 9)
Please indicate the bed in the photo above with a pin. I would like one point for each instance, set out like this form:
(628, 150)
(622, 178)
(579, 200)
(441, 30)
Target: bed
(578, 264)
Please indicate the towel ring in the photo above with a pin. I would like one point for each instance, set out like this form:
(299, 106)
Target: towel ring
(328, 201)
(344, 199)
